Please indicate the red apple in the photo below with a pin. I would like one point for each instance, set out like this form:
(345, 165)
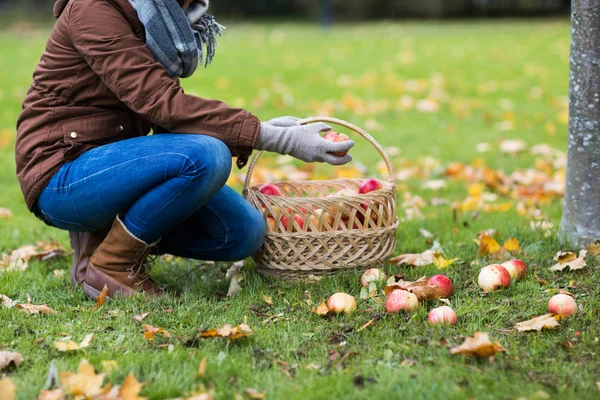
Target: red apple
(516, 268)
(493, 277)
(270, 190)
(297, 218)
(372, 275)
(562, 304)
(401, 300)
(443, 283)
(442, 315)
(369, 185)
(341, 302)
(336, 137)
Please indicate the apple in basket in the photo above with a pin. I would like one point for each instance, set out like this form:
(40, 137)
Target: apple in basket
(336, 137)
(298, 219)
(370, 185)
(270, 190)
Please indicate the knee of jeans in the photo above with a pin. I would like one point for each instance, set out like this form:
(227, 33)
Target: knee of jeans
(210, 160)
(251, 236)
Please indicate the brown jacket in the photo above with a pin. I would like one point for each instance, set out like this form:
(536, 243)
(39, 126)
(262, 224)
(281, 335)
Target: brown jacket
(97, 83)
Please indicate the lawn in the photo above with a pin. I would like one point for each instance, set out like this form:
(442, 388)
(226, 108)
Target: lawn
(431, 94)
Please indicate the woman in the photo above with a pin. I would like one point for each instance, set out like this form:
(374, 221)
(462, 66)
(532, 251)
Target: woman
(109, 76)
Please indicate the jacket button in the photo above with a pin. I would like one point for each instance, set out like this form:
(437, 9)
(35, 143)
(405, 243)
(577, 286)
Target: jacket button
(73, 135)
(120, 128)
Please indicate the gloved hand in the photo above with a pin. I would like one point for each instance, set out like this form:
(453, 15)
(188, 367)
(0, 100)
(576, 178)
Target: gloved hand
(284, 121)
(303, 142)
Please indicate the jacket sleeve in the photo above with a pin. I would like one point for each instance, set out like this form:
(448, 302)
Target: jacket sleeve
(106, 41)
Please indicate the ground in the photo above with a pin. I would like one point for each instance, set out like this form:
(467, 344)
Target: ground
(435, 91)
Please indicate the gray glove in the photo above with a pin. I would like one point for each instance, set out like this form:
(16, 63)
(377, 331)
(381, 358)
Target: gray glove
(284, 121)
(303, 142)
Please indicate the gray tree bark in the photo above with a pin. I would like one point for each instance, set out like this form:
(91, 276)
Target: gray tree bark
(581, 212)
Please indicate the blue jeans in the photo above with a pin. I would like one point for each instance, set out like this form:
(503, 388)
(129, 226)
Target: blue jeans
(169, 186)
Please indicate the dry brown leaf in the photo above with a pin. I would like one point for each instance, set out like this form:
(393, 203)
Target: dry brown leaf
(8, 390)
(202, 367)
(33, 309)
(140, 317)
(255, 394)
(321, 309)
(594, 249)
(7, 301)
(8, 357)
(150, 331)
(56, 394)
(566, 259)
(130, 389)
(228, 331)
(547, 321)
(71, 345)
(101, 297)
(419, 288)
(478, 345)
(84, 384)
(268, 300)
(5, 213)
(417, 259)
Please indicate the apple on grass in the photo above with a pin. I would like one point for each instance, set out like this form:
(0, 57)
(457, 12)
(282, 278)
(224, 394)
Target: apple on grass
(341, 302)
(443, 283)
(493, 277)
(443, 315)
(562, 304)
(401, 300)
(516, 268)
(332, 136)
(372, 275)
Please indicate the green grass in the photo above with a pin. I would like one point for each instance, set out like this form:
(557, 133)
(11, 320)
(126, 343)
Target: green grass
(484, 67)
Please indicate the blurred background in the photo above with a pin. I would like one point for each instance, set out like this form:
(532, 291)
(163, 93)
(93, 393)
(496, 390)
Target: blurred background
(353, 9)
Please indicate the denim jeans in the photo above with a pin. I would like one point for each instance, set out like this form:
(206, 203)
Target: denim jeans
(169, 186)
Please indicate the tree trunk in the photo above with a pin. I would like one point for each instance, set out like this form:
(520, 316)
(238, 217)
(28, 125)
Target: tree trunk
(581, 213)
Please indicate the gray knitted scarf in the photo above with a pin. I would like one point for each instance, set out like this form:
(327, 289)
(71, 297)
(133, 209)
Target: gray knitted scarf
(176, 37)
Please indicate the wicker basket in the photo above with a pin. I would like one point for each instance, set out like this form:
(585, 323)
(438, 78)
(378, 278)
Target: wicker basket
(339, 232)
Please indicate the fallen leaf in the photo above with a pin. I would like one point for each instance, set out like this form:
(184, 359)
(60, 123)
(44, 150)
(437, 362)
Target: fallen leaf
(436, 184)
(202, 367)
(487, 245)
(140, 317)
(365, 326)
(130, 389)
(228, 331)
(101, 297)
(417, 259)
(313, 366)
(512, 146)
(419, 288)
(7, 302)
(512, 246)
(8, 390)
(426, 234)
(8, 357)
(566, 259)
(547, 321)
(255, 394)
(594, 249)
(234, 287)
(83, 384)
(55, 394)
(71, 345)
(478, 345)
(441, 262)
(5, 213)
(33, 309)
(268, 300)
(321, 309)
(150, 331)
(109, 366)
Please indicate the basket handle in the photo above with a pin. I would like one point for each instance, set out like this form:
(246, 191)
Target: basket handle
(335, 121)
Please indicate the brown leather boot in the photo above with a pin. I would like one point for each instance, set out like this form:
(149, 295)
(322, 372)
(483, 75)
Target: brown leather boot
(120, 264)
(83, 245)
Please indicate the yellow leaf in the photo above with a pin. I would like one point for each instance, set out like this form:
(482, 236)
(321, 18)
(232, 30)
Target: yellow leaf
(568, 259)
(202, 367)
(8, 390)
(487, 245)
(130, 389)
(268, 300)
(85, 383)
(101, 297)
(441, 262)
(109, 366)
(547, 321)
(478, 345)
(512, 245)
(150, 331)
(70, 345)
(594, 249)
(321, 309)
(227, 331)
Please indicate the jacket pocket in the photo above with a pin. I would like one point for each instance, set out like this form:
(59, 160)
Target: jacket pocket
(85, 132)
